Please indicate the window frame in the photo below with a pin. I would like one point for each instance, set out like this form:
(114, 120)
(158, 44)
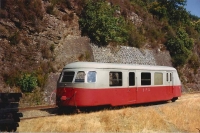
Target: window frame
(131, 80)
(80, 80)
(63, 76)
(92, 77)
(144, 81)
(155, 78)
(118, 81)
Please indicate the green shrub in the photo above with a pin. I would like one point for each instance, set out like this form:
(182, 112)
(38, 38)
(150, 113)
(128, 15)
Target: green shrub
(101, 23)
(27, 82)
(197, 26)
(180, 47)
(172, 10)
(135, 37)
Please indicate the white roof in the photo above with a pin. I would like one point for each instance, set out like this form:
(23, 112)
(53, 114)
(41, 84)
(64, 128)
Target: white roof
(97, 65)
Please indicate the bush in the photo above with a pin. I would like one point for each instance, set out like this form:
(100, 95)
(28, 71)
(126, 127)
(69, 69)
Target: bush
(27, 82)
(42, 75)
(135, 39)
(197, 26)
(11, 78)
(50, 9)
(3, 13)
(24, 11)
(180, 47)
(194, 62)
(101, 23)
(32, 99)
(3, 31)
(15, 38)
(68, 17)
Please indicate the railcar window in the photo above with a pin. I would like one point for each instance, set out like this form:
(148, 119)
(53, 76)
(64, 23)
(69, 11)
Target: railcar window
(91, 76)
(170, 77)
(145, 78)
(131, 79)
(67, 76)
(80, 76)
(115, 78)
(167, 77)
(158, 78)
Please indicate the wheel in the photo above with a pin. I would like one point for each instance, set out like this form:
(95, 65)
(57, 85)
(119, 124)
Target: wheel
(174, 99)
(66, 110)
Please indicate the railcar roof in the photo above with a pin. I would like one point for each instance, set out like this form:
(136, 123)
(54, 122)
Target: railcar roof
(97, 65)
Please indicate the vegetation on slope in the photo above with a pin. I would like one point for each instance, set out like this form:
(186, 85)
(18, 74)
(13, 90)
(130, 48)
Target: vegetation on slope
(104, 22)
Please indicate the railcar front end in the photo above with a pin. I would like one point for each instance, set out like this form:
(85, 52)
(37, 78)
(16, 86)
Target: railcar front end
(77, 88)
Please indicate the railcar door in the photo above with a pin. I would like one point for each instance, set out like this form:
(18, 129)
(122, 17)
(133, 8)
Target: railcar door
(169, 79)
(132, 87)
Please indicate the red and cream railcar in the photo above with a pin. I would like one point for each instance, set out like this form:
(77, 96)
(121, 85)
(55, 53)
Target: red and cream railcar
(84, 84)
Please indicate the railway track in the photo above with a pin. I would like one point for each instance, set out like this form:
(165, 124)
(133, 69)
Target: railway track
(37, 108)
(28, 118)
(38, 112)
(51, 110)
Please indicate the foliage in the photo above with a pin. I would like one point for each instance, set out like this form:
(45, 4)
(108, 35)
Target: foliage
(3, 31)
(15, 38)
(27, 82)
(135, 38)
(173, 10)
(21, 11)
(52, 48)
(10, 79)
(42, 75)
(193, 17)
(50, 9)
(141, 3)
(101, 23)
(32, 99)
(194, 62)
(180, 47)
(158, 10)
(197, 26)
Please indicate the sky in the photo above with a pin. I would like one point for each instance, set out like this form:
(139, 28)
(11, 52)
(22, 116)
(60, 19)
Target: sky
(193, 6)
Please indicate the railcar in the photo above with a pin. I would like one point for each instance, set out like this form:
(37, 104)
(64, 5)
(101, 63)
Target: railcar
(86, 84)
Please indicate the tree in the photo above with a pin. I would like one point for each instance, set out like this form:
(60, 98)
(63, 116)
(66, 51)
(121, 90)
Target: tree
(180, 47)
(173, 10)
(100, 21)
(197, 26)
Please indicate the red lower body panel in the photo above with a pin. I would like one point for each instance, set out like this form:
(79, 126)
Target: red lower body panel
(82, 97)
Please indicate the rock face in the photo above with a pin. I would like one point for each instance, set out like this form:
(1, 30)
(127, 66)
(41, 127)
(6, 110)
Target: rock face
(59, 42)
(49, 46)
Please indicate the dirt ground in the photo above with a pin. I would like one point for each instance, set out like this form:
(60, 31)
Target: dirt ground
(180, 116)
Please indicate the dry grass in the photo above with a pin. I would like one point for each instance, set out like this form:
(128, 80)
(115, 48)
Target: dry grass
(181, 116)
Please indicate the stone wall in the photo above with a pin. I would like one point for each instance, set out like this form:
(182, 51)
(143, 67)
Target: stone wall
(131, 55)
